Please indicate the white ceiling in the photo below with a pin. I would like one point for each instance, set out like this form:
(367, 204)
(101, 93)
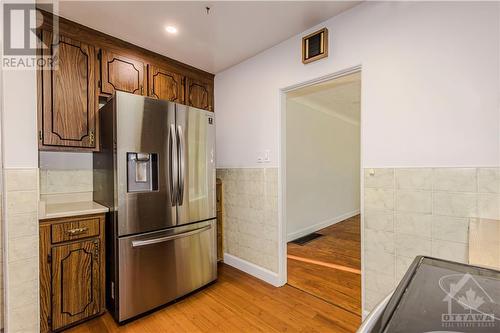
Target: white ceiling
(231, 33)
(340, 98)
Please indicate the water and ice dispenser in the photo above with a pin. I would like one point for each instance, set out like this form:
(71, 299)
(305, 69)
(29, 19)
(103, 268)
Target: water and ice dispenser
(142, 172)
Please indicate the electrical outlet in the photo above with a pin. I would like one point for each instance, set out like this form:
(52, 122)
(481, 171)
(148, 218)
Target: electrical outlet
(267, 156)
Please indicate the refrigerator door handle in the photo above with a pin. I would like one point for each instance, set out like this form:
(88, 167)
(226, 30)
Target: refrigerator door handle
(182, 165)
(173, 164)
(169, 238)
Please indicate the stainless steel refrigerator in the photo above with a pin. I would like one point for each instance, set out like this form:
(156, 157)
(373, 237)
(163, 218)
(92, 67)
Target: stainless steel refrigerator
(156, 173)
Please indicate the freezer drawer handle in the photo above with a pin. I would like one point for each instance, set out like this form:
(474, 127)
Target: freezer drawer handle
(169, 238)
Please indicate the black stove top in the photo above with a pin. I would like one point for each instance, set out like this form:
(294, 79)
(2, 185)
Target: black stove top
(442, 296)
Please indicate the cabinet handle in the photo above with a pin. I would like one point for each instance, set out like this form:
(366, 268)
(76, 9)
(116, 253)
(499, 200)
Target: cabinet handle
(77, 231)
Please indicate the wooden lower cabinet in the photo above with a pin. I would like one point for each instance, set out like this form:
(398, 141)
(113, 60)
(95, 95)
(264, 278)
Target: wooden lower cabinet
(71, 270)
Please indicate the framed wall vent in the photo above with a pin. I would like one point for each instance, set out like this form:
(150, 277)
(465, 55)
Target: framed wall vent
(315, 46)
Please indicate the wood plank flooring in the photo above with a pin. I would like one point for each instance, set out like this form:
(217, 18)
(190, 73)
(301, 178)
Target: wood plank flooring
(237, 302)
(329, 267)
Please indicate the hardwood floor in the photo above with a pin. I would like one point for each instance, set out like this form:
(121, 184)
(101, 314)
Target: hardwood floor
(329, 267)
(237, 302)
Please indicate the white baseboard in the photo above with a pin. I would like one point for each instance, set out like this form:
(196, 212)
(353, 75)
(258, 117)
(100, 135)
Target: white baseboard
(318, 226)
(252, 269)
(365, 314)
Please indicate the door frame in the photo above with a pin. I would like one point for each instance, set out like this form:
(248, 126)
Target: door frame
(282, 220)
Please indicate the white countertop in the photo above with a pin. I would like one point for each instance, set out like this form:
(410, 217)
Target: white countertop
(55, 210)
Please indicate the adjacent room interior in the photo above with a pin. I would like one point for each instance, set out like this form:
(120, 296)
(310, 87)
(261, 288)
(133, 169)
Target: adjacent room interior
(323, 161)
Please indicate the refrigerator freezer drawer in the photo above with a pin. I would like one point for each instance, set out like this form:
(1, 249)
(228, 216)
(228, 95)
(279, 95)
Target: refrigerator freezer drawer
(158, 267)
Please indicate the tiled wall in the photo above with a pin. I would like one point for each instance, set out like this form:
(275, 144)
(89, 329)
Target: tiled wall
(21, 212)
(251, 215)
(1, 262)
(424, 211)
(54, 181)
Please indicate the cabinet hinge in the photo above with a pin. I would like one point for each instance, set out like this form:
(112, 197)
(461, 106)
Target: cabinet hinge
(49, 259)
(40, 135)
(99, 55)
(49, 321)
(96, 250)
(91, 136)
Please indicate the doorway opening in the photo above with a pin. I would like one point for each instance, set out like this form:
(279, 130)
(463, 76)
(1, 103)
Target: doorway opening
(322, 163)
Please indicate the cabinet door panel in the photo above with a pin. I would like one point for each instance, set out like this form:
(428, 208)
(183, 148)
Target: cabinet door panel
(75, 282)
(199, 94)
(164, 84)
(69, 103)
(121, 73)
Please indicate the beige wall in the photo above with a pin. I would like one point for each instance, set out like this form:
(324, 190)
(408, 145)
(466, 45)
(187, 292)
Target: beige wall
(421, 211)
(74, 183)
(251, 215)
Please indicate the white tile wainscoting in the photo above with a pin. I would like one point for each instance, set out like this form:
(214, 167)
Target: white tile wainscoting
(420, 211)
(21, 227)
(251, 215)
(73, 183)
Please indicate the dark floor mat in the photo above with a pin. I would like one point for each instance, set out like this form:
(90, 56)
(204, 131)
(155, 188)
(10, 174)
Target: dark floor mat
(306, 239)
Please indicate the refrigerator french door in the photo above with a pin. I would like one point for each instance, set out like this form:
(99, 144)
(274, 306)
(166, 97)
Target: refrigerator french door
(156, 173)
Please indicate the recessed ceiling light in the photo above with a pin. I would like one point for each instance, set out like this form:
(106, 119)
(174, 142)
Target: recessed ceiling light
(171, 29)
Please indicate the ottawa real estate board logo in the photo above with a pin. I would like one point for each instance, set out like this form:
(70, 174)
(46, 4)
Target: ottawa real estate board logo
(470, 305)
(23, 47)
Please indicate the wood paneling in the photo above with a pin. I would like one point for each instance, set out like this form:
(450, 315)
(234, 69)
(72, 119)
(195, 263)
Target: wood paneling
(329, 266)
(199, 94)
(121, 73)
(165, 84)
(67, 112)
(72, 272)
(237, 302)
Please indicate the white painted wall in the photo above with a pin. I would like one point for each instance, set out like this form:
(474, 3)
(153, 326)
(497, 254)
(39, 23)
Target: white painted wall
(429, 85)
(19, 119)
(322, 169)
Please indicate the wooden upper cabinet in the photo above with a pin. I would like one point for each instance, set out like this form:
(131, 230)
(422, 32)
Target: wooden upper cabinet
(199, 94)
(76, 282)
(67, 101)
(121, 73)
(165, 84)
